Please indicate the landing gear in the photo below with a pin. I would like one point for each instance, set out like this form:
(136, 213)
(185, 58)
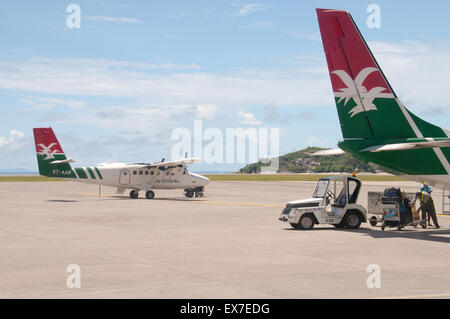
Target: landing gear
(149, 194)
(191, 192)
(134, 193)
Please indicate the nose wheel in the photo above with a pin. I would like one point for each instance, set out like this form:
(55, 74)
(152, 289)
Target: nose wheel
(197, 192)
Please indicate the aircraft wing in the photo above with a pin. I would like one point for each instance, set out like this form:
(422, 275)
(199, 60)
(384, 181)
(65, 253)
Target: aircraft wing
(407, 146)
(332, 151)
(181, 162)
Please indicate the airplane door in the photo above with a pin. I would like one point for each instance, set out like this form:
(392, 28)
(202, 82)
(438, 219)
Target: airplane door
(125, 177)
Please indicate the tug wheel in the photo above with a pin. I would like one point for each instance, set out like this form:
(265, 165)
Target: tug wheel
(306, 222)
(353, 220)
(296, 226)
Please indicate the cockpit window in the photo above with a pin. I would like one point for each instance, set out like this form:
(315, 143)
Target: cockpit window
(321, 188)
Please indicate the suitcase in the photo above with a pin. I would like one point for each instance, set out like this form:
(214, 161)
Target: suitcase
(392, 192)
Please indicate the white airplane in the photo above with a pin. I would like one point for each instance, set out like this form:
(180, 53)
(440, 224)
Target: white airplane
(53, 162)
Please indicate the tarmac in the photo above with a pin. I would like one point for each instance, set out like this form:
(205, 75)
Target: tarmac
(229, 244)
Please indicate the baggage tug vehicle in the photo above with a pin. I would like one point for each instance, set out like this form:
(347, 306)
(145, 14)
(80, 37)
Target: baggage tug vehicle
(333, 202)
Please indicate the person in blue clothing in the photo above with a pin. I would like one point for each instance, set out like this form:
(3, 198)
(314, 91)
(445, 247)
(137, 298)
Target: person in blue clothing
(405, 210)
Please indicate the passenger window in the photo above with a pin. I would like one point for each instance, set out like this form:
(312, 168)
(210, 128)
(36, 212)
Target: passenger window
(152, 172)
(141, 173)
(134, 173)
(124, 173)
(146, 172)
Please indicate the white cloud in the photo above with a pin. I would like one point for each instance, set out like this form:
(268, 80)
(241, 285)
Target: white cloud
(313, 36)
(248, 118)
(404, 47)
(206, 111)
(246, 9)
(40, 103)
(13, 141)
(418, 72)
(259, 25)
(111, 19)
(316, 141)
(167, 83)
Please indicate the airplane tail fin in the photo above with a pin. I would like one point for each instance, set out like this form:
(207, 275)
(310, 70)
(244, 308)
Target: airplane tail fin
(367, 105)
(51, 159)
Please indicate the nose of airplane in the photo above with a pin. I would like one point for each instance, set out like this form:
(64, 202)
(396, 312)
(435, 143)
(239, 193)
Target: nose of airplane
(205, 180)
(202, 180)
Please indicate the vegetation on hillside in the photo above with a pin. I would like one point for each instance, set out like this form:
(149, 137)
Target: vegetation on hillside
(302, 162)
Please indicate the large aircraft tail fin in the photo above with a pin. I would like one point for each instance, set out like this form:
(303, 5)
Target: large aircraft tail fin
(366, 103)
(51, 159)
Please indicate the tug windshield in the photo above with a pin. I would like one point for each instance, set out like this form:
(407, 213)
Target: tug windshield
(321, 188)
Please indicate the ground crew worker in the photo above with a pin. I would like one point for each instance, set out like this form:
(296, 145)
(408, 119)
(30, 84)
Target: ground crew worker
(427, 204)
(426, 188)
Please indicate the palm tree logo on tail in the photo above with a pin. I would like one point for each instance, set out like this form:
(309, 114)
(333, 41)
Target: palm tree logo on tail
(46, 150)
(358, 92)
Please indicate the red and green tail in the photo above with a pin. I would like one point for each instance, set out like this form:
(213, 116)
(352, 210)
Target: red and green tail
(51, 159)
(369, 111)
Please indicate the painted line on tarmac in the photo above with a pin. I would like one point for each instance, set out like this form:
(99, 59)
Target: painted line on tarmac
(200, 201)
(236, 203)
(220, 203)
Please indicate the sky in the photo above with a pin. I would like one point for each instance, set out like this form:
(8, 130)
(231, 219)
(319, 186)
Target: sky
(117, 87)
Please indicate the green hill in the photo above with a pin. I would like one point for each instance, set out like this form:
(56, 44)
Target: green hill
(302, 162)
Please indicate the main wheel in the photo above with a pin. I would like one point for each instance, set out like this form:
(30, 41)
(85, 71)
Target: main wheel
(134, 194)
(353, 220)
(306, 222)
(189, 194)
(150, 194)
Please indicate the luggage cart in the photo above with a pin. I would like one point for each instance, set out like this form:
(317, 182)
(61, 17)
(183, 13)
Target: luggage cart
(388, 211)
